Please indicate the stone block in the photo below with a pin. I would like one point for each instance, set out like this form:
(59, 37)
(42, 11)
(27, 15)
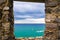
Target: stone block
(1, 1)
(51, 3)
(5, 12)
(48, 10)
(5, 18)
(57, 10)
(6, 8)
(51, 25)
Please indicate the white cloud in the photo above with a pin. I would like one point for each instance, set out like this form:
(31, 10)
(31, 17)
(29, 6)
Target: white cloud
(23, 16)
(31, 21)
(28, 6)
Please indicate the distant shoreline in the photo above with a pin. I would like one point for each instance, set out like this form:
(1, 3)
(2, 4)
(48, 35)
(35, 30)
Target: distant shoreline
(28, 23)
(29, 37)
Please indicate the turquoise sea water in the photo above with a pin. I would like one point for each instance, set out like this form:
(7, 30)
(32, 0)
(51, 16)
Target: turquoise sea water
(29, 30)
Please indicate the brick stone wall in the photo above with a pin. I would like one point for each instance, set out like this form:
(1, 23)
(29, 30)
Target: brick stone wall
(52, 20)
(6, 20)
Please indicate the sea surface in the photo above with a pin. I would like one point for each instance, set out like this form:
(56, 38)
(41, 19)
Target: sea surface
(28, 30)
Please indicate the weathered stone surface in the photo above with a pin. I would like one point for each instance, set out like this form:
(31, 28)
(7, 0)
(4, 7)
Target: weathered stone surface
(57, 10)
(1, 1)
(48, 10)
(52, 20)
(6, 8)
(50, 17)
(6, 21)
(51, 25)
(51, 2)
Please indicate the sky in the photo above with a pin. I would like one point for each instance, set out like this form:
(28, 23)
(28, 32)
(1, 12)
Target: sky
(29, 12)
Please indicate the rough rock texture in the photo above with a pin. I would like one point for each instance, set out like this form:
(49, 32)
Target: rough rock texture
(52, 20)
(6, 20)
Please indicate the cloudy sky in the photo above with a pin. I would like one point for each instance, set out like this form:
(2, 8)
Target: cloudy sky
(28, 12)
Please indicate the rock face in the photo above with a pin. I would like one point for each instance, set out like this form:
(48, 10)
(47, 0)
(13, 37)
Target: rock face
(52, 20)
(6, 20)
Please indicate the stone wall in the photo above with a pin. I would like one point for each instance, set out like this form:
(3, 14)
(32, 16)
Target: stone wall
(52, 20)
(6, 20)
